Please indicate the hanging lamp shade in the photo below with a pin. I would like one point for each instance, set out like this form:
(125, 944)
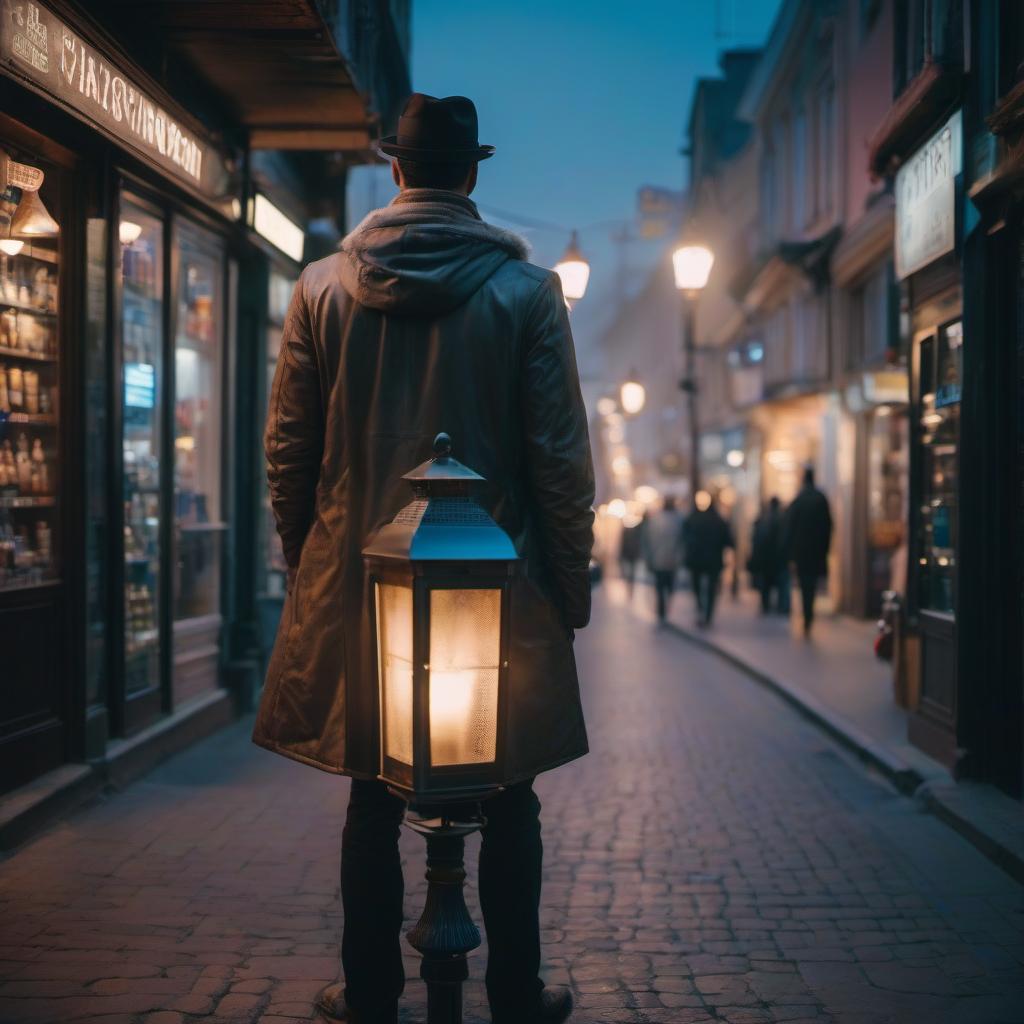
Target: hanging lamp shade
(32, 219)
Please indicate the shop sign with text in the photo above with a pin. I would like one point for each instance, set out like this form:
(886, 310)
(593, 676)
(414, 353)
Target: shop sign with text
(38, 46)
(926, 200)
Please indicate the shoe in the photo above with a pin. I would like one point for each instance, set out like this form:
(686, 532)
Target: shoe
(331, 1006)
(555, 1007)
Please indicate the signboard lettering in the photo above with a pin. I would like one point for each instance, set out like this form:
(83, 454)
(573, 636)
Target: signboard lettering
(38, 46)
(926, 200)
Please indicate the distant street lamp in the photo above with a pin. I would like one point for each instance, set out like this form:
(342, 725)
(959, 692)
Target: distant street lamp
(632, 395)
(439, 577)
(692, 266)
(574, 271)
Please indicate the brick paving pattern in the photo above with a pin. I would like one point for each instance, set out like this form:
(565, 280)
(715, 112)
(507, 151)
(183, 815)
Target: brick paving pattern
(713, 859)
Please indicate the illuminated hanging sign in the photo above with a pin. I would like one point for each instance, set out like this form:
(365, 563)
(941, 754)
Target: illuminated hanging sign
(926, 200)
(38, 48)
(276, 227)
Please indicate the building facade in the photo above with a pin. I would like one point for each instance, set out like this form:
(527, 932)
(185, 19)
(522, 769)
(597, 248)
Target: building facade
(800, 363)
(876, 334)
(161, 191)
(951, 146)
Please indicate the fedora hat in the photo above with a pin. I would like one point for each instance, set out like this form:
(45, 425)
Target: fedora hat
(432, 130)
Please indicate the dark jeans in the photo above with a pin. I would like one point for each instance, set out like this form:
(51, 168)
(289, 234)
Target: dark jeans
(372, 889)
(808, 590)
(664, 584)
(705, 590)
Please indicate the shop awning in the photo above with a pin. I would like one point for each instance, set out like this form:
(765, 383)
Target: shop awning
(277, 63)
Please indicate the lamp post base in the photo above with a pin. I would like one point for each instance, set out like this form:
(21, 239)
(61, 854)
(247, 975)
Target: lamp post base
(445, 932)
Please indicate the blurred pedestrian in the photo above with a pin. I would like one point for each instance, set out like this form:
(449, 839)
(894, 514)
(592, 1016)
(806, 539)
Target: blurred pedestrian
(630, 550)
(767, 559)
(706, 535)
(663, 550)
(807, 536)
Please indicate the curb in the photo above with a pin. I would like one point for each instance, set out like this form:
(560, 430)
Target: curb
(995, 830)
(901, 775)
(1002, 841)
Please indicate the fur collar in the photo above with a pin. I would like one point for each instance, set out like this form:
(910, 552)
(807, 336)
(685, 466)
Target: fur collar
(445, 211)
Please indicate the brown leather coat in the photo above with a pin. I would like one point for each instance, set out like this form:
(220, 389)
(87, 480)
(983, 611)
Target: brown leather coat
(428, 319)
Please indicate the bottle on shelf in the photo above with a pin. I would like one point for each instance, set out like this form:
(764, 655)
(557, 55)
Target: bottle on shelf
(15, 388)
(8, 468)
(23, 462)
(30, 379)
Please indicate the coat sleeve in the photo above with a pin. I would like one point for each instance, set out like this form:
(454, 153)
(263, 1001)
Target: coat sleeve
(557, 448)
(294, 436)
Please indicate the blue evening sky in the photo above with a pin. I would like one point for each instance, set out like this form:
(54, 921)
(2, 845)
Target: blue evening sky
(585, 100)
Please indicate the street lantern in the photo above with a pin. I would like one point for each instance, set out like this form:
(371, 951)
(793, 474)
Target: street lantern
(632, 395)
(692, 266)
(574, 271)
(439, 576)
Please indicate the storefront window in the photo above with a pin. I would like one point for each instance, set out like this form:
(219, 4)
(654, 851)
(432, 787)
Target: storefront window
(198, 409)
(141, 239)
(97, 513)
(939, 411)
(279, 296)
(887, 503)
(29, 364)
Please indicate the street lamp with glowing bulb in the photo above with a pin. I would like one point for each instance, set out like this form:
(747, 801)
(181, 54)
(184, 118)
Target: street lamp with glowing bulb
(440, 576)
(632, 395)
(574, 272)
(691, 264)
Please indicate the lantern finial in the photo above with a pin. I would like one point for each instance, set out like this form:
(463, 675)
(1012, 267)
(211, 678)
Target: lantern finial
(442, 446)
(442, 475)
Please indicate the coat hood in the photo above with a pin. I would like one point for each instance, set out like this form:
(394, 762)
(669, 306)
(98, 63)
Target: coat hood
(424, 254)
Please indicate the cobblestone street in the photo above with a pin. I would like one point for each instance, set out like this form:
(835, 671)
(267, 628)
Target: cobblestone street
(713, 859)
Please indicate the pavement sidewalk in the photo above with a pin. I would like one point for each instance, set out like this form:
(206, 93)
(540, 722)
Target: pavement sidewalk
(714, 860)
(834, 679)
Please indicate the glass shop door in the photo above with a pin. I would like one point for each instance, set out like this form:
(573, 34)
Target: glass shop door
(199, 525)
(141, 239)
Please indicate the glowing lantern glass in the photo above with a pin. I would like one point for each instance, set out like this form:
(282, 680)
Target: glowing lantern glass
(439, 576)
(633, 396)
(692, 266)
(574, 271)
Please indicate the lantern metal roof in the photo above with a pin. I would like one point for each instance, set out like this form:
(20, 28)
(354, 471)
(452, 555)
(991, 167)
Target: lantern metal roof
(443, 523)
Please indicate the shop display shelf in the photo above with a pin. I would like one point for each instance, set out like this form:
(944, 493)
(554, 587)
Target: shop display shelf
(38, 419)
(42, 580)
(139, 293)
(21, 353)
(141, 641)
(195, 339)
(38, 253)
(28, 310)
(27, 501)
